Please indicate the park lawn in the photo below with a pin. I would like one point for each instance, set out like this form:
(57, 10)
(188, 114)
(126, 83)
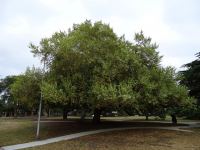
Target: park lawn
(16, 131)
(142, 139)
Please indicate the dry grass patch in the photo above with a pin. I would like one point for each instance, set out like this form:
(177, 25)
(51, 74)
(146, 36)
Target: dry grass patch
(142, 139)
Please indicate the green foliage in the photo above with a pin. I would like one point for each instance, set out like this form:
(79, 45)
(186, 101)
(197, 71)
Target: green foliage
(147, 50)
(26, 88)
(190, 77)
(48, 47)
(53, 94)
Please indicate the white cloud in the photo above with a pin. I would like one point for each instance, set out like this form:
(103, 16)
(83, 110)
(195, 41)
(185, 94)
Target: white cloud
(57, 5)
(172, 61)
(65, 13)
(18, 26)
(176, 62)
(158, 29)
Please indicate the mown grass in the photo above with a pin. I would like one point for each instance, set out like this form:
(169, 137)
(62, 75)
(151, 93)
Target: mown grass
(142, 139)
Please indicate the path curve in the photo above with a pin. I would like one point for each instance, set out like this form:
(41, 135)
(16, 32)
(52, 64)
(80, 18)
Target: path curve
(76, 135)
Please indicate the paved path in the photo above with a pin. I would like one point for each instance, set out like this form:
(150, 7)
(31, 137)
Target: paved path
(76, 135)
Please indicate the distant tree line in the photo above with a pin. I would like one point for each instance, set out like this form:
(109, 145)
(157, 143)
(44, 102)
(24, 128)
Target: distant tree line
(92, 70)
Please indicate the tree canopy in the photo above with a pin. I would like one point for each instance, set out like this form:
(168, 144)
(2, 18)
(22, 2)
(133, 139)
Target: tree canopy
(91, 67)
(26, 89)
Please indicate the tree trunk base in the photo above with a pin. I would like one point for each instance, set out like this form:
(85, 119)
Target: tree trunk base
(174, 120)
(83, 115)
(97, 116)
(65, 113)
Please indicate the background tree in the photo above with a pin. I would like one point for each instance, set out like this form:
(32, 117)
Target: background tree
(26, 89)
(7, 103)
(190, 77)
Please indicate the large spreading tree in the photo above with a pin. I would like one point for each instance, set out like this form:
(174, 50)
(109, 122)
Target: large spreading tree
(90, 67)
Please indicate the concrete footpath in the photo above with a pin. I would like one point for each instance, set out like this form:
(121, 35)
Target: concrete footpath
(76, 135)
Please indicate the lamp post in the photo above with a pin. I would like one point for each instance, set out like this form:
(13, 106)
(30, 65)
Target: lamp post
(40, 107)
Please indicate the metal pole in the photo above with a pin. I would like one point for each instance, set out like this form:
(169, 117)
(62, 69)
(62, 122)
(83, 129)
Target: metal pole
(40, 108)
(39, 114)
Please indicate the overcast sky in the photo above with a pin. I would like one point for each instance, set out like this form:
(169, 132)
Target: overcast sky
(173, 24)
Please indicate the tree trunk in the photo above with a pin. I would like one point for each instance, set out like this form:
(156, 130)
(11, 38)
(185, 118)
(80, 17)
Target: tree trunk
(65, 112)
(83, 114)
(147, 117)
(15, 112)
(174, 120)
(49, 113)
(97, 115)
(32, 113)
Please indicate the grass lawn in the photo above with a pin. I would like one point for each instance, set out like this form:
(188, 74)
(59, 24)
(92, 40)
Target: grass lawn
(142, 139)
(15, 131)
